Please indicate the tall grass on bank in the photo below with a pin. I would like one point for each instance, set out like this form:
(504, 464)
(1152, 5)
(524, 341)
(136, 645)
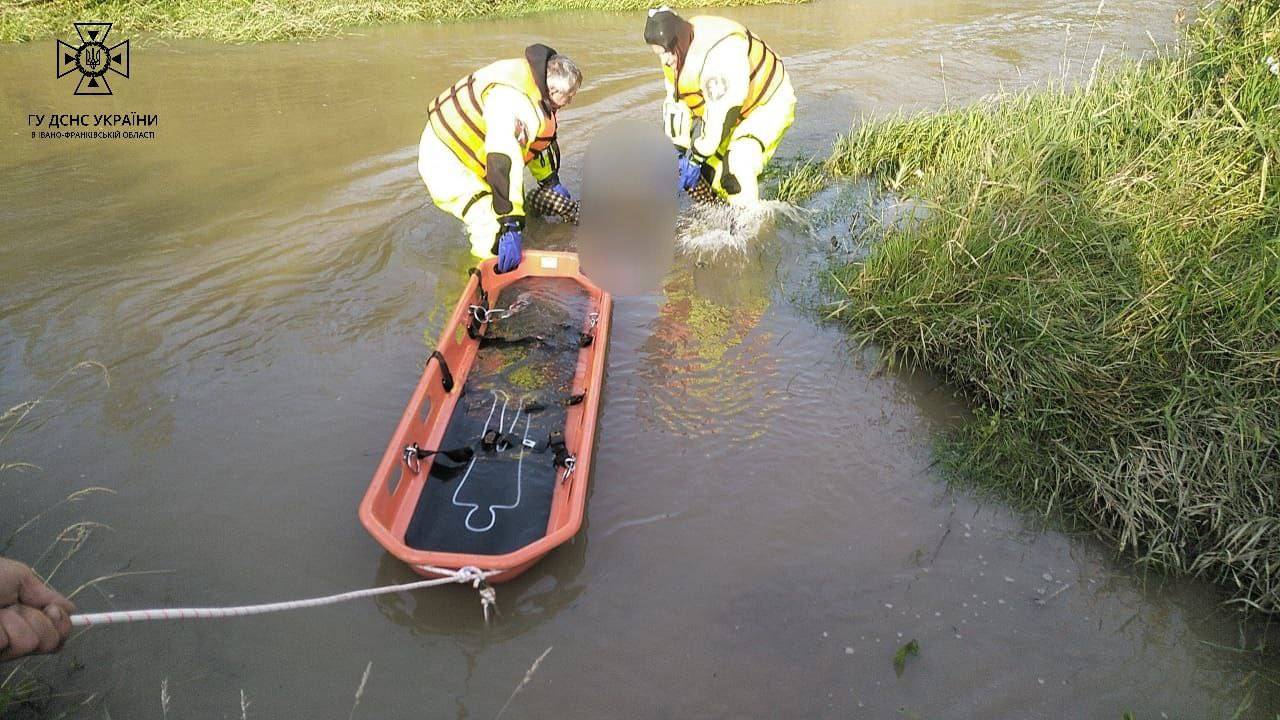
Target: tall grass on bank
(240, 21)
(1100, 270)
(23, 691)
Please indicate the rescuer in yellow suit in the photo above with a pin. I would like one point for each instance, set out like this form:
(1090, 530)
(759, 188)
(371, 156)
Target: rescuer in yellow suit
(480, 134)
(729, 100)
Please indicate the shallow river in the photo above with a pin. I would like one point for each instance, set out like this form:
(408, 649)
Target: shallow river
(765, 528)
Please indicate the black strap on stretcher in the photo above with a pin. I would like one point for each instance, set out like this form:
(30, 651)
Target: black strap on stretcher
(473, 324)
(584, 340)
(446, 377)
(492, 441)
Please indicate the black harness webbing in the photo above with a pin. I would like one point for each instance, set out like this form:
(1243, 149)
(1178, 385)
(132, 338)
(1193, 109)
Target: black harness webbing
(446, 377)
(473, 323)
(493, 441)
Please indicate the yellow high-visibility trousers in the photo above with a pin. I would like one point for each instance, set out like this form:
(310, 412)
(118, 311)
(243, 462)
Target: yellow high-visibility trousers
(751, 145)
(459, 192)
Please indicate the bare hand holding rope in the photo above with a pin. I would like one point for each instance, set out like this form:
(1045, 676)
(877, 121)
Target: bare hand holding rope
(34, 618)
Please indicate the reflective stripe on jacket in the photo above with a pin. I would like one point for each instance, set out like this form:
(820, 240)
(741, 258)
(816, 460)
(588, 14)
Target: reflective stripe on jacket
(709, 32)
(457, 114)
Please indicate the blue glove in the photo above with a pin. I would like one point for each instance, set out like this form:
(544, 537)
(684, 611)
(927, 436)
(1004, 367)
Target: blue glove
(509, 241)
(562, 191)
(690, 171)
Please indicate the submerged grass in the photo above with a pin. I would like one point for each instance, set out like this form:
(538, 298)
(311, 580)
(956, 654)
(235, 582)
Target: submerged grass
(240, 21)
(23, 691)
(1099, 268)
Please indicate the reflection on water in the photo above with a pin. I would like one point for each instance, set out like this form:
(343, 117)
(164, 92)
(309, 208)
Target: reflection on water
(705, 361)
(264, 280)
(552, 587)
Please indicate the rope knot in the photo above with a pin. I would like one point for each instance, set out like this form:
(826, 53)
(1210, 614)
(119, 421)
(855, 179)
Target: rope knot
(470, 574)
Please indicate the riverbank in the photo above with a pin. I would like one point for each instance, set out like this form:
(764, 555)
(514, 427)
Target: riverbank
(241, 21)
(1098, 270)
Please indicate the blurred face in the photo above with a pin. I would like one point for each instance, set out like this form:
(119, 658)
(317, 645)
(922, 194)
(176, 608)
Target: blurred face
(668, 58)
(559, 98)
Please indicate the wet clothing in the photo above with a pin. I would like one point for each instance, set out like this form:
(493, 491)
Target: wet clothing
(734, 171)
(729, 99)
(480, 135)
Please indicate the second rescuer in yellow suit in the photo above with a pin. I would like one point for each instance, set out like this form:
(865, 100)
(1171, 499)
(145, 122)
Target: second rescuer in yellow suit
(481, 133)
(729, 100)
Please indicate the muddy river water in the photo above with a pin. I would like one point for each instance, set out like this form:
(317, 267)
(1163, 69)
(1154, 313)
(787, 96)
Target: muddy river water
(765, 528)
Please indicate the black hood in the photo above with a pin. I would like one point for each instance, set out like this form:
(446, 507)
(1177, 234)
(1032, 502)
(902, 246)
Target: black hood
(670, 32)
(537, 55)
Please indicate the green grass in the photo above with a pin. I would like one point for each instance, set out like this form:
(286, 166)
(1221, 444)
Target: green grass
(24, 691)
(239, 21)
(1099, 270)
(797, 180)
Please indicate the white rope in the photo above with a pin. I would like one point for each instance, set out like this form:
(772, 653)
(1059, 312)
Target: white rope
(524, 443)
(471, 575)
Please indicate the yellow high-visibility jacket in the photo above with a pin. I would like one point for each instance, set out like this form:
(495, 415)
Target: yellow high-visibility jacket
(727, 72)
(500, 112)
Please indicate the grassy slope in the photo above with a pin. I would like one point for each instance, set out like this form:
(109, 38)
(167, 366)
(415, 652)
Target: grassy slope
(1101, 272)
(259, 20)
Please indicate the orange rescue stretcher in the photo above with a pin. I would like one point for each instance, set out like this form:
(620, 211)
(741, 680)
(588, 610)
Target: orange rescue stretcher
(451, 492)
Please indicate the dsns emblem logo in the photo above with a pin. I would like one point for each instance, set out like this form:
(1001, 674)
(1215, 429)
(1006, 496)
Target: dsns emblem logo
(93, 58)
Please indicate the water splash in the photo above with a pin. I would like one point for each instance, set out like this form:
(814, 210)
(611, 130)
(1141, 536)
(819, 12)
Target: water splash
(708, 230)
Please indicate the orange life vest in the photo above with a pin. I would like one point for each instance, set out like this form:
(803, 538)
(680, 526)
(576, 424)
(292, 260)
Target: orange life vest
(766, 67)
(457, 114)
